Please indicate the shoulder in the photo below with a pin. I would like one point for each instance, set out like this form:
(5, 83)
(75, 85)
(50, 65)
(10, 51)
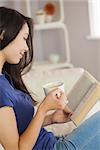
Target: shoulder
(4, 83)
(5, 92)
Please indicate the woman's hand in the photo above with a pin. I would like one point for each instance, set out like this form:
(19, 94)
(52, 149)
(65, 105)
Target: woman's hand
(56, 99)
(59, 116)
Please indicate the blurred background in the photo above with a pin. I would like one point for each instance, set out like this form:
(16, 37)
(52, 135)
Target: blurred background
(77, 18)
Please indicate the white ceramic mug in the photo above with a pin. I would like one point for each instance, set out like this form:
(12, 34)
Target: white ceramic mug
(53, 85)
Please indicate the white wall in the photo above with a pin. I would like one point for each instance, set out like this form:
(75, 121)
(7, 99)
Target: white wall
(84, 53)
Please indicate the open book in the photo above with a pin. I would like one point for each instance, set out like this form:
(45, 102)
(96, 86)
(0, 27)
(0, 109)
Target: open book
(83, 97)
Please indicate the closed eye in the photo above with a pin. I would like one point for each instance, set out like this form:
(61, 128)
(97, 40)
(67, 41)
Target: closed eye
(25, 38)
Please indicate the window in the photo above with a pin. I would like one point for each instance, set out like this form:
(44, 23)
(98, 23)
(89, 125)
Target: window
(94, 16)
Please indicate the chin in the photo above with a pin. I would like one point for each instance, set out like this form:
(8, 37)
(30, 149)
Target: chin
(15, 62)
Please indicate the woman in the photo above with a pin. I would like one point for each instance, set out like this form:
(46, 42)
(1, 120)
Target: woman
(20, 129)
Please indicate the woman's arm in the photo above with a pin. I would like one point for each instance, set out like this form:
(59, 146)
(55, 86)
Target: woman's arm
(51, 102)
(47, 120)
(29, 137)
(59, 116)
(9, 136)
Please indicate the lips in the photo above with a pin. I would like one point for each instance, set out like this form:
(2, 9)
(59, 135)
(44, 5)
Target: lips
(21, 54)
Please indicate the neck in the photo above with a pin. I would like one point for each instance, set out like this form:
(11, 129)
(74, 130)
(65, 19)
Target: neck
(2, 61)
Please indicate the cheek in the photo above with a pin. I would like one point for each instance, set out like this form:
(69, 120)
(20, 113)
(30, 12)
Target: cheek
(13, 57)
(12, 53)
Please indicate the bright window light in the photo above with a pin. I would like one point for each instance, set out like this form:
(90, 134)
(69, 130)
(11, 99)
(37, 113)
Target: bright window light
(94, 16)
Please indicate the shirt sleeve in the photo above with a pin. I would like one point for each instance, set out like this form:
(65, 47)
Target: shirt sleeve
(5, 99)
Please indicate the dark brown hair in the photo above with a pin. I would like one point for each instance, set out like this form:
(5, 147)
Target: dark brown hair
(11, 22)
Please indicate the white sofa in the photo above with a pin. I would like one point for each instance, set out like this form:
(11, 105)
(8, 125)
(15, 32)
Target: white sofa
(35, 80)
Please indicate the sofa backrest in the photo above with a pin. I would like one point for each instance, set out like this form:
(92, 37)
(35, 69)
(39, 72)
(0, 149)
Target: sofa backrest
(35, 79)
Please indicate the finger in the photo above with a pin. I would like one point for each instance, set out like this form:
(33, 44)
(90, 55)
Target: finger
(63, 96)
(57, 93)
(67, 109)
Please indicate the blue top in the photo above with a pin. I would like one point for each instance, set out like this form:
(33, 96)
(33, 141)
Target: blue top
(24, 111)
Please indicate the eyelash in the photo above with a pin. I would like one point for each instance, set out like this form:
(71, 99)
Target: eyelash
(25, 39)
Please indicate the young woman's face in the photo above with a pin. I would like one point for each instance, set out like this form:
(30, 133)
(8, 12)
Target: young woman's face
(16, 49)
